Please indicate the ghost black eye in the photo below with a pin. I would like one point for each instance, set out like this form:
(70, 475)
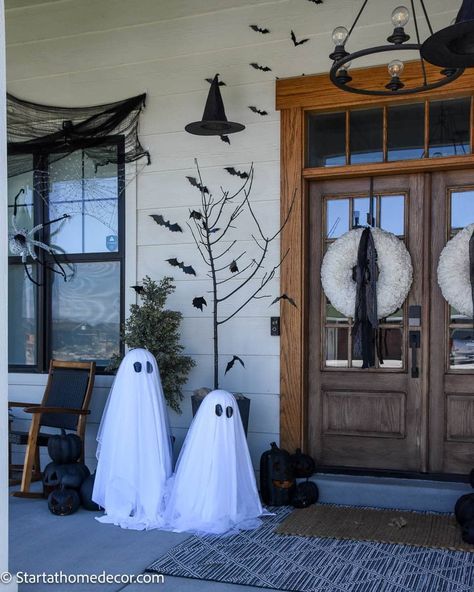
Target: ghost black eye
(137, 367)
(229, 411)
(218, 410)
(149, 367)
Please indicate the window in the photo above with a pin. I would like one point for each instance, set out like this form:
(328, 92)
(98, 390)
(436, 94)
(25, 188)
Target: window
(77, 318)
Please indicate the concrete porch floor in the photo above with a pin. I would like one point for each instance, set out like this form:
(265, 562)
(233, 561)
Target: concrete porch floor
(41, 542)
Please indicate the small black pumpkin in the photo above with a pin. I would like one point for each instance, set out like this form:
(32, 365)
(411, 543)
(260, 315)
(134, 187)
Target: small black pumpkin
(277, 482)
(303, 464)
(70, 475)
(305, 495)
(63, 501)
(464, 508)
(86, 494)
(65, 448)
(468, 532)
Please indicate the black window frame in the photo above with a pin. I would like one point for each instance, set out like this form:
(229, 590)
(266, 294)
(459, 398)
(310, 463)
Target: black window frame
(45, 276)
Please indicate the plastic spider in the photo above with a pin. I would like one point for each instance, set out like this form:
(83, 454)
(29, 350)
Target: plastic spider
(22, 243)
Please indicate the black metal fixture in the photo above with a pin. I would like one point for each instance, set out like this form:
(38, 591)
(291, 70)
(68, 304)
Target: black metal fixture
(453, 46)
(397, 42)
(214, 120)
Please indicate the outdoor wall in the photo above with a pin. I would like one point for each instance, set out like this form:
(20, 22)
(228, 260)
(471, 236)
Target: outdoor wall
(85, 52)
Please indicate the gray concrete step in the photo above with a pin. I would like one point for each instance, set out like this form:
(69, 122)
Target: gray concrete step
(389, 492)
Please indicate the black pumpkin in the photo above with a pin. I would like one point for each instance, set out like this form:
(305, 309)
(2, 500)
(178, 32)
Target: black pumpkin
(70, 475)
(468, 532)
(464, 508)
(277, 481)
(86, 494)
(303, 464)
(305, 495)
(63, 501)
(65, 448)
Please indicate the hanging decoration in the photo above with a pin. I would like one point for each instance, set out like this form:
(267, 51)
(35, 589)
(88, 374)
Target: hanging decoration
(456, 271)
(394, 266)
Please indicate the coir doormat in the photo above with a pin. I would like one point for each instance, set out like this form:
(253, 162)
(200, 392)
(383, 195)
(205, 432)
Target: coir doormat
(419, 529)
(265, 559)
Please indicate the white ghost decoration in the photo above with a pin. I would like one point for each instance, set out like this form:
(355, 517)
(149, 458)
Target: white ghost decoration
(134, 446)
(214, 489)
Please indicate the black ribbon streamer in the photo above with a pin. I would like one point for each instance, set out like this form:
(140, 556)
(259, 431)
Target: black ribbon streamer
(471, 270)
(365, 317)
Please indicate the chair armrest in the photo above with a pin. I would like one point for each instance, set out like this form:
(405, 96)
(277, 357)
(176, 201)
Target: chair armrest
(57, 410)
(20, 404)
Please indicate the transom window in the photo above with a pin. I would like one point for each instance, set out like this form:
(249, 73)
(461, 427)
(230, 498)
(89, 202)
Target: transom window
(77, 318)
(428, 129)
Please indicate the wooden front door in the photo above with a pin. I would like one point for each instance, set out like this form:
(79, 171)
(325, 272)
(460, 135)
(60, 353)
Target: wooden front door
(414, 412)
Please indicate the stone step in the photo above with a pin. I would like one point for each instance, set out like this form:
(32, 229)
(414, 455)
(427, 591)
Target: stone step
(389, 492)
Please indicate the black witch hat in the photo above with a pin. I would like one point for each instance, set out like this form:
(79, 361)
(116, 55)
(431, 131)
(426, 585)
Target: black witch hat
(214, 121)
(453, 46)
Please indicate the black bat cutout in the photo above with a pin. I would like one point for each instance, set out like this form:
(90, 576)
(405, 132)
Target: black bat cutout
(257, 29)
(138, 289)
(258, 111)
(258, 67)
(284, 297)
(195, 215)
(188, 269)
(225, 139)
(295, 42)
(199, 302)
(195, 183)
(233, 268)
(230, 364)
(236, 173)
(221, 83)
(174, 227)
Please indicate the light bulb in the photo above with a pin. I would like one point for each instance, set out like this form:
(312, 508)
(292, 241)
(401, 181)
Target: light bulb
(339, 36)
(400, 16)
(395, 68)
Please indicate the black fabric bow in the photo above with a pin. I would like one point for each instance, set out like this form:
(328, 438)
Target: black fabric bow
(365, 317)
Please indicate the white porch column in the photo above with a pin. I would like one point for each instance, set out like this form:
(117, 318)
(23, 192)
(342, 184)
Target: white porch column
(3, 320)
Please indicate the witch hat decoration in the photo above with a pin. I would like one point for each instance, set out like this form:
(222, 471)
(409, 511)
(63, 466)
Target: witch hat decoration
(453, 46)
(214, 121)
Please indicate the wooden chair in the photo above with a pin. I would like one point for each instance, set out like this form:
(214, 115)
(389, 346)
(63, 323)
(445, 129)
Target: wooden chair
(65, 405)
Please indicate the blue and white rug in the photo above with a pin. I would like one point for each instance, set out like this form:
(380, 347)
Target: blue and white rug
(264, 559)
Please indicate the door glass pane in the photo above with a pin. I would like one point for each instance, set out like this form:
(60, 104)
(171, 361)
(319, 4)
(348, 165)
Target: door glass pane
(461, 348)
(24, 218)
(327, 140)
(89, 194)
(22, 334)
(392, 214)
(449, 127)
(361, 209)
(336, 347)
(337, 216)
(458, 318)
(406, 132)
(366, 136)
(390, 346)
(333, 315)
(86, 313)
(462, 209)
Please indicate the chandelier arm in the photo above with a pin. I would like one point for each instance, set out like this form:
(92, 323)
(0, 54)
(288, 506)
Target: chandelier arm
(426, 17)
(364, 4)
(415, 21)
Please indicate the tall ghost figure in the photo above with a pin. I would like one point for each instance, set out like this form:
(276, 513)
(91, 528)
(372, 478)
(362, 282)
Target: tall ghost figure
(134, 446)
(214, 489)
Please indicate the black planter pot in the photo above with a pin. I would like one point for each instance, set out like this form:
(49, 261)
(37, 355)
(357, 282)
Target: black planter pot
(242, 402)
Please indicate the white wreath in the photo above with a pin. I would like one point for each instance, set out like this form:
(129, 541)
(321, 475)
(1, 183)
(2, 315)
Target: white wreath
(453, 272)
(394, 279)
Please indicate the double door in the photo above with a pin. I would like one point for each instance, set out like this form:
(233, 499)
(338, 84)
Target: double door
(415, 410)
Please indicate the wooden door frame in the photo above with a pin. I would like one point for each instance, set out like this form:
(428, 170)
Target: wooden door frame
(294, 98)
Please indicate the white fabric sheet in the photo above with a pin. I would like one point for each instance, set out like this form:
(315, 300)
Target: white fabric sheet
(214, 489)
(134, 446)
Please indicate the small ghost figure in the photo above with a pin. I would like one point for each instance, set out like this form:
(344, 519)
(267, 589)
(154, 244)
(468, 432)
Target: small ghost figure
(134, 446)
(214, 490)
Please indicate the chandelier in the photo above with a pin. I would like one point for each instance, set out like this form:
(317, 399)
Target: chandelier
(398, 42)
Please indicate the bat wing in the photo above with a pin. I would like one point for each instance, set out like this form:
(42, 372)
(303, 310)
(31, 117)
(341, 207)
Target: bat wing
(195, 215)
(188, 269)
(173, 261)
(199, 302)
(293, 38)
(175, 227)
(233, 267)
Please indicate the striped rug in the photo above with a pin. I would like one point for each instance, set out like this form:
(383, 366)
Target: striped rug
(265, 559)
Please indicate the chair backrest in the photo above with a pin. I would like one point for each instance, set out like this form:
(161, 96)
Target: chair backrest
(69, 384)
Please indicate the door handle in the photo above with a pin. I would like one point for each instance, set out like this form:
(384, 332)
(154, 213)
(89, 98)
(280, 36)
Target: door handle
(414, 342)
